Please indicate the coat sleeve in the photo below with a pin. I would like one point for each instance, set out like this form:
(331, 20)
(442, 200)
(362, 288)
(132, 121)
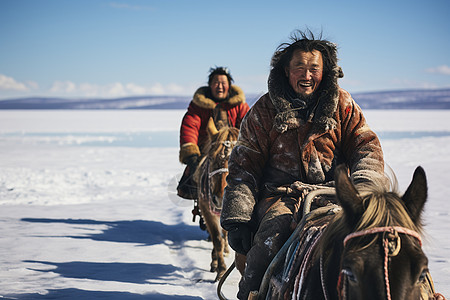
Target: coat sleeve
(246, 165)
(360, 144)
(243, 110)
(189, 133)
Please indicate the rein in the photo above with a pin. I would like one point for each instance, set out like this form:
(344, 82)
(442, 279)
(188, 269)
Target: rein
(391, 245)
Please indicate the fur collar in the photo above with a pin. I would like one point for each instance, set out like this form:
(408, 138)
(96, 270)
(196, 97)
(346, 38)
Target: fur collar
(203, 100)
(321, 115)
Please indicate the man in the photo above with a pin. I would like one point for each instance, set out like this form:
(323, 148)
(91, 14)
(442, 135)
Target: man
(222, 101)
(300, 130)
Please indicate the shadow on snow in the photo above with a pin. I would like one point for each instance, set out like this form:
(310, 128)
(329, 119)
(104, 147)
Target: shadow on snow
(138, 273)
(83, 294)
(137, 231)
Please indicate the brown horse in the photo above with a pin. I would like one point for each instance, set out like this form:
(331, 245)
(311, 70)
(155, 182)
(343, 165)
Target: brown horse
(369, 248)
(210, 177)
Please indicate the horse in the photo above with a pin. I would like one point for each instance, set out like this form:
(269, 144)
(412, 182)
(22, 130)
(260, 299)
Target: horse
(366, 247)
(210, 177)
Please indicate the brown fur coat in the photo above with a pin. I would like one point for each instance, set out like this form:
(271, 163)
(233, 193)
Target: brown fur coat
(278, 146)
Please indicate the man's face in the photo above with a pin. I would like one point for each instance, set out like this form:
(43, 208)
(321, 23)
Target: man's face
(305, 71)
(219, 87)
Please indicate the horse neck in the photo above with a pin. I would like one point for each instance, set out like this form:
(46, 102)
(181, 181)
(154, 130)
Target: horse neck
(327, 266)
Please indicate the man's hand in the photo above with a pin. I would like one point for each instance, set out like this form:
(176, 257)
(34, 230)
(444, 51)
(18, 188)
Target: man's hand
(192, 162)
(240, 238)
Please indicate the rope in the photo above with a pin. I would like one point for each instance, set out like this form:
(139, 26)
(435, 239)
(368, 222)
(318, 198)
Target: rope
(383, 229)
(322, 279)
(279, 257)
(222, 281)
(312, 194)
(386, 268)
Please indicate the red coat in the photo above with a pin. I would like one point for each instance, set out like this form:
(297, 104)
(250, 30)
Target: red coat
(193, 127)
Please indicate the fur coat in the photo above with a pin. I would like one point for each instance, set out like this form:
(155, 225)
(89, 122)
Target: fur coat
(280, 144)
(193, 127)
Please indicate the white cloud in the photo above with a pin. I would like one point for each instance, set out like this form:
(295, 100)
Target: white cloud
(136, 89)
(157, 89)
(174, 89)
(443, 70)
(10, 84)
(64, 87)
(33, 85)
(114, 90)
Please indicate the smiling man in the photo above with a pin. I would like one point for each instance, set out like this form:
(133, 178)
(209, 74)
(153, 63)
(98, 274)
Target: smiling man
(305, 72)
(221, 100)
(299, 131)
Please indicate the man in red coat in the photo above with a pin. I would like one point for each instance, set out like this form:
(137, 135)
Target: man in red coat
(222, 101)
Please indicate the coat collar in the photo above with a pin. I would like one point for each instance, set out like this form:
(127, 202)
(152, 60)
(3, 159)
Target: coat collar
(203, 100)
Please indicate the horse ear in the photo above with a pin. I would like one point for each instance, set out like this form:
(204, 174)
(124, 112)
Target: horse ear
(416, 194)
(211, 127)
(347, 196)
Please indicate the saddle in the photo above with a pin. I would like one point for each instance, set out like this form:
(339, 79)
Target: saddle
(298, 254)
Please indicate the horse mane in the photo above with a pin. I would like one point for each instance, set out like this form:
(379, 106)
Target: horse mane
(382, 206)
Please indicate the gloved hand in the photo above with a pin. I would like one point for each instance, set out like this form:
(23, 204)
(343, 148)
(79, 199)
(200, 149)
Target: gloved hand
(240, 238)
(192, 162)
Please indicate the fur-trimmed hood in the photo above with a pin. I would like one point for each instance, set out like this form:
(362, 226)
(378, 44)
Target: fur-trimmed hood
(203, 99)
(283, 97)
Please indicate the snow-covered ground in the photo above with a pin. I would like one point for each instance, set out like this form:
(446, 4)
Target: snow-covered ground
(88, 210)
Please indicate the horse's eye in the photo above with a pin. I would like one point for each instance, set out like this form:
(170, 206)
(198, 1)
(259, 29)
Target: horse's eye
(422, 276)
(349, 273)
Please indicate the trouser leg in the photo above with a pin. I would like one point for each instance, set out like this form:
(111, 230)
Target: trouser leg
(274, 230)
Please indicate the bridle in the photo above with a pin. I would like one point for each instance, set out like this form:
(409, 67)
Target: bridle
(228, 145)
(207, 189)
(391, 244)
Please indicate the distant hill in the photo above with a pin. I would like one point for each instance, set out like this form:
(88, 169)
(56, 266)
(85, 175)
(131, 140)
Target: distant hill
(407, 99)
(410, 99)
(142, 102)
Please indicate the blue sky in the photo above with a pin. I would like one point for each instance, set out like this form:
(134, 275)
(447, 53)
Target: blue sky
(116, 48)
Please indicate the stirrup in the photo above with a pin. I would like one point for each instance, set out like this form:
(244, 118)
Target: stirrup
(195, 211)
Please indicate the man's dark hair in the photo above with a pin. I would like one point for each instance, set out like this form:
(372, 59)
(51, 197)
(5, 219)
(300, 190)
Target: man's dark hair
(305, 41)
(219, 71)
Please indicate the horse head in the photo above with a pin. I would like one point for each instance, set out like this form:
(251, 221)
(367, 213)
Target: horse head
(218, 150)
(381, 255)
